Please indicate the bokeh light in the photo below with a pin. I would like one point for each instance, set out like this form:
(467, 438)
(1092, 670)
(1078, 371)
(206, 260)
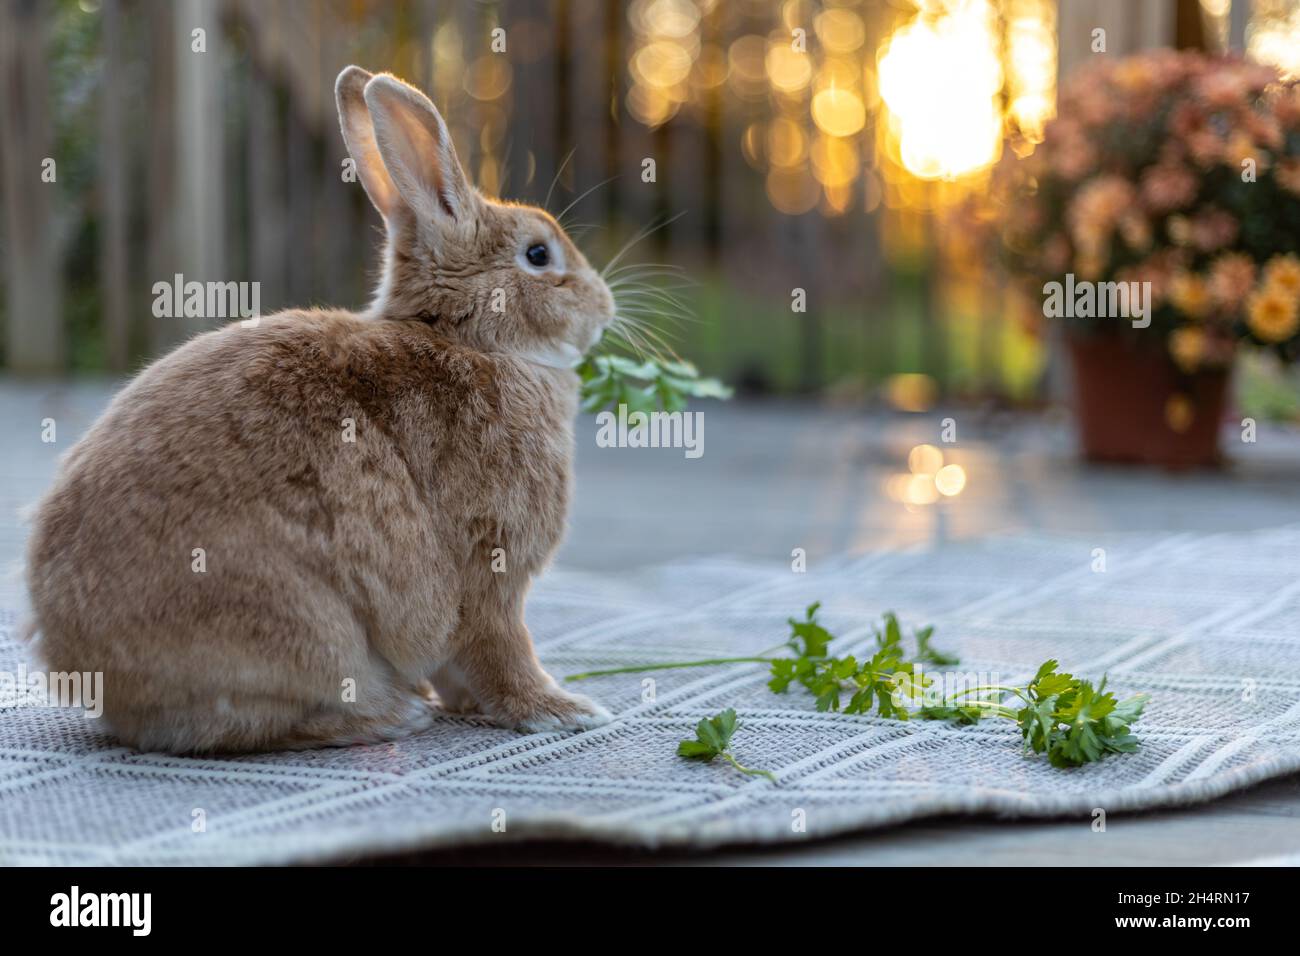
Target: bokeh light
(940, 77)
(839, 112)
(924, 460)
(927, 478)
(834, 115)
(950, 480)
(663, 61)
(1273, 35)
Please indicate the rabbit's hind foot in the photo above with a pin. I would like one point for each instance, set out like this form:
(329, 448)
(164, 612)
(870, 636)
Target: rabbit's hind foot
(339, 728)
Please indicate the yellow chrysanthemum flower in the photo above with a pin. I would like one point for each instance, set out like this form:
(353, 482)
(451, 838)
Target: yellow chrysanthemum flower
(1190, 295)
(1187, 346)
(1272, 314)
(1283, 274)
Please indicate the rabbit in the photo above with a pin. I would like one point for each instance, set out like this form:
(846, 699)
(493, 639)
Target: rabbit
(288, 532)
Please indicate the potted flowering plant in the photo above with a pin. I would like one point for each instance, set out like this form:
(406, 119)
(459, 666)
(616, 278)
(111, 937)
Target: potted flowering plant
(1178, 174)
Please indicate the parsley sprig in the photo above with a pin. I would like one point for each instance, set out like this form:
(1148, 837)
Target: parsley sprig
(873, 682)
(713, 739)
(1060, 715)
(645, 385)
(1073, 722)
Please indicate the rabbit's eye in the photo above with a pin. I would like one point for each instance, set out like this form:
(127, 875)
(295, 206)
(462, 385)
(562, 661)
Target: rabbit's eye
(538, 256)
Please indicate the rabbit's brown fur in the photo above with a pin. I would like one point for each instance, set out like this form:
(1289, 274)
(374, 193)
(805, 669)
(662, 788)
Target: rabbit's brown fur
(334, 564)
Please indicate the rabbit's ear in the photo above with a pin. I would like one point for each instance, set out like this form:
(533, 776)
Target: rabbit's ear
(359, 135)
(418, 152)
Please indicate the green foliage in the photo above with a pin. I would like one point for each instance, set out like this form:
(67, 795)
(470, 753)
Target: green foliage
(1062, 716)
(927, 654)
(1073, 722)
(713, 739)
(609, 381)
(807, 637)
(876, 683)
(1266, 388)
(964, 714)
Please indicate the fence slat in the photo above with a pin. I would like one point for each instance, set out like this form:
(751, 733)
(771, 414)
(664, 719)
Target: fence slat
(33, 252)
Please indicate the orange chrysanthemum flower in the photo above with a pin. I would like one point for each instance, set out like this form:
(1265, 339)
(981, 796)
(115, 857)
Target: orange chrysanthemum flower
(1272, 315)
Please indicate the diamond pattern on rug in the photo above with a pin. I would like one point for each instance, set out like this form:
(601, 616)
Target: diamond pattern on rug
(1208, 625)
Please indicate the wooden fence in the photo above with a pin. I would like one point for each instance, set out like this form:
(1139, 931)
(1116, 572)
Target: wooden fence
(198, 137)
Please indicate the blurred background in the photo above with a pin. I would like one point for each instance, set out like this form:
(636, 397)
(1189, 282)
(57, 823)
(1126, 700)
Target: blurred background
(818, 168)
(814, 167)
(834, 169)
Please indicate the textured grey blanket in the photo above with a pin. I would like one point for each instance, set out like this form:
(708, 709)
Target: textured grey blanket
(1209, 626)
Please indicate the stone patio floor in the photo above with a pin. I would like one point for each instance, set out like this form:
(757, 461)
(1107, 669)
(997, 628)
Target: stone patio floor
(780, 476)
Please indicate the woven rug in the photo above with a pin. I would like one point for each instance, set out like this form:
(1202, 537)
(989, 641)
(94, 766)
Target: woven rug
(1209, 626)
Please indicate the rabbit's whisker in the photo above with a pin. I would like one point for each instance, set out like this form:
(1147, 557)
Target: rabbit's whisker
(655, 343)
(639, 282)
(546, 203)
(560, 217)
(666, 293)
(651, 302)
(633, 326)
(630, 337)
(647, 268)
(646, 316)
(643, 233)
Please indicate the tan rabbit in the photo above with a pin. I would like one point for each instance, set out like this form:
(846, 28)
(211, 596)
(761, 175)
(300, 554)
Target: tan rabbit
(281, 532)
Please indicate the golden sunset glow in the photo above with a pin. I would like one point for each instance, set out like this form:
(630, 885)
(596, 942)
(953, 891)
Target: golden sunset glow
(834, 115)
(1273, 35)
(940, 78)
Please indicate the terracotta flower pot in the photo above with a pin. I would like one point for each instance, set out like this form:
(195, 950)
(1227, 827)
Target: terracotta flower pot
(1134, 405)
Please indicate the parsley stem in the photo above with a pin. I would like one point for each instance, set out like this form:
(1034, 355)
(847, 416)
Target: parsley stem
(1018, 691)
(743, 769)
(992, 707)
(670, 665)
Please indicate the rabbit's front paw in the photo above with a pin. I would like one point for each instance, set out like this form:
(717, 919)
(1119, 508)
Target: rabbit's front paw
(555, 709)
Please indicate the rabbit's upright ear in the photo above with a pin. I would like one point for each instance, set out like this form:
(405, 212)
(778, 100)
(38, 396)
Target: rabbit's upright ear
(418, 153)
(359, 135)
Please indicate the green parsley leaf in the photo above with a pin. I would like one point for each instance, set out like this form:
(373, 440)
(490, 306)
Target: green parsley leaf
(964, 714)
(609, 381)
(929, 655)
(713, 739)
(808, 638)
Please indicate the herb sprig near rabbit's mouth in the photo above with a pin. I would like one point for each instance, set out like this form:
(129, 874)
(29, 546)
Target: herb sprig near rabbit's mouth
(644, 385)
(638, 367)
(634, 364)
